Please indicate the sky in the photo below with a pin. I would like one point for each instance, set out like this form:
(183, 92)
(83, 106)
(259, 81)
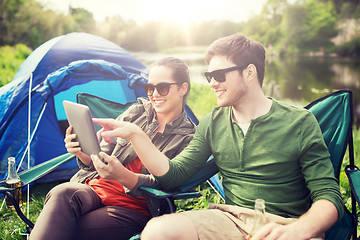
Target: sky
(181, 11)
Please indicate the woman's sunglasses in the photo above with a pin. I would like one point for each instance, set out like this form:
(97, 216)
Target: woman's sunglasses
(219, 75)
(162, 88)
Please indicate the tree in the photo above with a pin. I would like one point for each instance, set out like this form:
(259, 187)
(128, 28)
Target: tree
(310, 25)
(142, 37)
(32, 25)
(84, 20)
(170, 35)
(8, 9)
(274, 10)
(340, 3)
(113, 28)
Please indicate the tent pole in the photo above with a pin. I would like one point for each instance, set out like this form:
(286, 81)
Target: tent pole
(29, 137)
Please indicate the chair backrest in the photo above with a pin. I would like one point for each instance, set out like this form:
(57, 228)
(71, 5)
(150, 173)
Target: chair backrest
(102, 108)
(334, 114)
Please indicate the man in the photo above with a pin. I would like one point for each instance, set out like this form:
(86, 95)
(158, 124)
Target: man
(264, 149)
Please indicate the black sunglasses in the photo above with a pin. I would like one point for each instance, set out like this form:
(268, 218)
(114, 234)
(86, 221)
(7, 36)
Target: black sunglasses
(162, 88)
(219, 75)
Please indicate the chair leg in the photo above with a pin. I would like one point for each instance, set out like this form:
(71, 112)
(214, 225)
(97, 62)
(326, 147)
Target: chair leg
(19, 212)
(172, 210)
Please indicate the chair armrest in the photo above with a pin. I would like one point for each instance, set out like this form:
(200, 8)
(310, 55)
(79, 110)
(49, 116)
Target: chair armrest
(158, 193)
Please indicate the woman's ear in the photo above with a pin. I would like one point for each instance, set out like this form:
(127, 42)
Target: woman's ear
(184, 88)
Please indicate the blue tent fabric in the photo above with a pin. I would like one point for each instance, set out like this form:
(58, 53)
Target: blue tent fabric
(56, 71)
(57, 53)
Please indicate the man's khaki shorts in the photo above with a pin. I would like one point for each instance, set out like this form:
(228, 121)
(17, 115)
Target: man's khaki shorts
(223, 221)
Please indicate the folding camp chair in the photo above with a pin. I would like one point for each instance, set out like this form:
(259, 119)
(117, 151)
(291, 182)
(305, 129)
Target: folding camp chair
(335, 117)
(104, 109)
(334, 114)
(101, 108)
(353, 174)
(30, 175)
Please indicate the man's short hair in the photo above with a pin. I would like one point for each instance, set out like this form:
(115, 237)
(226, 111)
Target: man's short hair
(240, 50)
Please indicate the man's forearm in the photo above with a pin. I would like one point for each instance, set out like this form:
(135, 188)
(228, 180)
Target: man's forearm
(154, 160)
(318, 219)
(313, 224)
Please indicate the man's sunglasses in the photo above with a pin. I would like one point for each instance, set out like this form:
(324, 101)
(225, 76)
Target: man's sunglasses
(219, 75)
(162, 88)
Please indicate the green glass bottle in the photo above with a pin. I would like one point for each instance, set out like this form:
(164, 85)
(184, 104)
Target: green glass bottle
(13, 181)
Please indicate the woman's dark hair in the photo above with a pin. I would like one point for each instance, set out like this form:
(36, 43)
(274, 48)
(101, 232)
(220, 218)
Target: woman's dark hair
(180, 72)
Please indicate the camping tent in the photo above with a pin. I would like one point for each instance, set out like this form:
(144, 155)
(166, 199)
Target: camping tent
(31, 105)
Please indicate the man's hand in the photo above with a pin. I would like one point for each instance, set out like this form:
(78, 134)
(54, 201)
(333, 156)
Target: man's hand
(113, 128)
(311, 225)
(154, 160)
(272, 231)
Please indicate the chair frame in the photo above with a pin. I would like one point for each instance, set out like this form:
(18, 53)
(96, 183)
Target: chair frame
(350, 144)
(27, 177)
(186, 191)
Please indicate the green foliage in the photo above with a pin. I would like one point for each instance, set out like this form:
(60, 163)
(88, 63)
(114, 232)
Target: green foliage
(264, 27)
(320, 23)
(84, 20)
(8, 10)
(310, 25)
(11, 59)
(351, 48)
(28, 22)
(33, 25)
(208, 196)
(344, 182)
(201, 99)
(141, 37)
(10, 222)
(11, 226)
(114, 28)
(298, 27)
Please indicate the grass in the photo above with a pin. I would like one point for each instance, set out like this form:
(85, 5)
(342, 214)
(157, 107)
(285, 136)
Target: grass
(201, 101)
(11, 226)
(343, 180)
(11, 59)
(10, 223)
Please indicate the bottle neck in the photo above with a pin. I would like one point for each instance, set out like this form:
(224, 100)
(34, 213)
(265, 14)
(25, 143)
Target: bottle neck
(259, 206)
(259, 216)
(12, 173)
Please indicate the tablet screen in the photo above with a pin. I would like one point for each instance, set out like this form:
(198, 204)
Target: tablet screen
(80, 119)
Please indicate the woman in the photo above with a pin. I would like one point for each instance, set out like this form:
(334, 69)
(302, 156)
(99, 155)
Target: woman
(102, 200)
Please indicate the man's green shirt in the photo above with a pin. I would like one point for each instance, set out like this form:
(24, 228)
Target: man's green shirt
(282, 159)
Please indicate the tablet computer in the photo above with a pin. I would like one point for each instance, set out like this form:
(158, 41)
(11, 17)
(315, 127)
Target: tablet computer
(79, 117)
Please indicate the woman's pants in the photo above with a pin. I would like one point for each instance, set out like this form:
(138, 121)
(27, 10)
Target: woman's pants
(74, 211)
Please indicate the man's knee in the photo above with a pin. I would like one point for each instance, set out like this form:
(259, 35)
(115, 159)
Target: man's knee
(169, 226)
